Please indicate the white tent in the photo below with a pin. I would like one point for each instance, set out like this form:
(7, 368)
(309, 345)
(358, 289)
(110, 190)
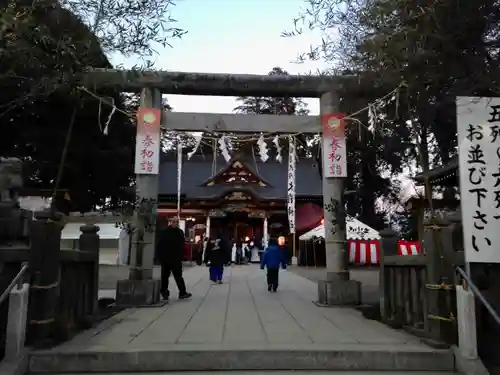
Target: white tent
(107, 231)
(355, 230)
(114, 242)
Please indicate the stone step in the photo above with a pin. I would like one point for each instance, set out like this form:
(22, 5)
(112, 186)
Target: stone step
(291, 372)
(202, 359)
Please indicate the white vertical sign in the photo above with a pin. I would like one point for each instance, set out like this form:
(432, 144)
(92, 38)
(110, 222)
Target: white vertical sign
(478, 125)
(334, 146)
(147, 142)
(291, 184)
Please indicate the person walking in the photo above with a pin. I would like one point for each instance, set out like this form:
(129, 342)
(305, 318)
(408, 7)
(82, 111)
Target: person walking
(170, 253)
(272, 258)
(216, 256)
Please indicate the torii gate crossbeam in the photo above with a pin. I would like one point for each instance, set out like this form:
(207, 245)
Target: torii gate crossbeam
(217, 84)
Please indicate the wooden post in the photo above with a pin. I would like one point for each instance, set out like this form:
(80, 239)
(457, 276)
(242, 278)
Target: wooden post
(314, 253)
(44, 266)
(89, 241)
(388, 246)
(435, 297)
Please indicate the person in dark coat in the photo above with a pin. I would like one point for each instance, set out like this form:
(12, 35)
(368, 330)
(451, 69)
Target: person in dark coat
(216, 254)
(272, 258)
(170, 253)
(239, 252)
(201, 249)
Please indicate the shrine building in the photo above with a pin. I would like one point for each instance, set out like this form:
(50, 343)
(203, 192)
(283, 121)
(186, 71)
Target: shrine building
(241, 197)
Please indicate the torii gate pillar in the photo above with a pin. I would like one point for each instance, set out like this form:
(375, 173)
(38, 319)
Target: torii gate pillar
(336, 288)
(141, 288)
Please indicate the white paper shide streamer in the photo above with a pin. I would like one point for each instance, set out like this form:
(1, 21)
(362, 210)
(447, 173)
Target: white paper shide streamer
(263, 151)
(279, 157)
(108, 121)
(291, 184)
(372, 118)
(179, 177)
(197, 139)
(223, 149)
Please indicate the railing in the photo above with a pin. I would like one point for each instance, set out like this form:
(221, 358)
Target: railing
(405, 295)
(478, 294)
(63, 285)
(418, 292)
(16, 281)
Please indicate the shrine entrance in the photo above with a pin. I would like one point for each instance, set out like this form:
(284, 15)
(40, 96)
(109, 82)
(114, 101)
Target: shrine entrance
(239, 226)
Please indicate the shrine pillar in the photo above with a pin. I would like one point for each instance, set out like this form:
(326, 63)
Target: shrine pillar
(207, 226)
(265, 234)
(336, 288)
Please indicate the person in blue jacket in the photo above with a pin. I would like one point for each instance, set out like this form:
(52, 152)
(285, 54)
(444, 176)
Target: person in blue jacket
(272, 258)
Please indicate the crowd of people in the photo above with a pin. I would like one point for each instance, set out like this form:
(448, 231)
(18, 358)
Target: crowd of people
(216, 252)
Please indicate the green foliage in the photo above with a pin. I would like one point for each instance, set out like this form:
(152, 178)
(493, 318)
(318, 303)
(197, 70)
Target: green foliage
(271, 105)
(43, 43)
(440, 49)
(128, 27)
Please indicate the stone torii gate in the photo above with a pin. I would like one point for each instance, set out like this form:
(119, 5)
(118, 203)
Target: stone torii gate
(336, 288)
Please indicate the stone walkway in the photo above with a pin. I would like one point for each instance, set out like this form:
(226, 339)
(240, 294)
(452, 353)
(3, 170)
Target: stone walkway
(241, 315)
(241, 312)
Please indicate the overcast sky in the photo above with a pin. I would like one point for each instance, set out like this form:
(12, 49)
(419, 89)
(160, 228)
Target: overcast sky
(233, 36)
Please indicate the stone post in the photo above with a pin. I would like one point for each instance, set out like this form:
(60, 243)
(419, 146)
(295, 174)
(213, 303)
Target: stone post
(142, 254)
(141, 289)
(16, 321)
(336, 289)
(388, 247)
(89, 241)
(466, 323)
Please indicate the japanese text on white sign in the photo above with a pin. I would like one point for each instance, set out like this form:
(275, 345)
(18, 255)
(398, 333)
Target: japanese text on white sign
(147, 145)
(291, 183)
(334, 146)
(478, 123)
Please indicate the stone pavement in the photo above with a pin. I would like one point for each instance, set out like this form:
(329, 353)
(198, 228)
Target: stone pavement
(367, 276)
(241, 315)
(240, 311)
